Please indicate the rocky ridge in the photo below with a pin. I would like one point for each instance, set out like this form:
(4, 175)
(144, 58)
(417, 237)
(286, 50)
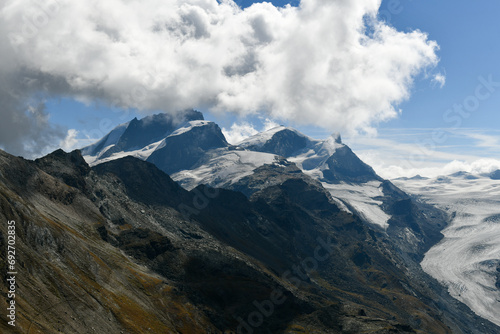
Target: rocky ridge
(120, 247)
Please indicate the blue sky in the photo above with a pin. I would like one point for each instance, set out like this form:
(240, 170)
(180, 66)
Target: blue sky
(467, 34)
(465, 31)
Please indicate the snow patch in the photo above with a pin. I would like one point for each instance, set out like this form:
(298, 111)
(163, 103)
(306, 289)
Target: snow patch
(188, 127)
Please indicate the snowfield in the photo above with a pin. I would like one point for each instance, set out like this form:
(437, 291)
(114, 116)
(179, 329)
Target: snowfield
(142, 154)
(188, 126)
(222, 167)
(466, 260)
(258, 140)
(360, 199)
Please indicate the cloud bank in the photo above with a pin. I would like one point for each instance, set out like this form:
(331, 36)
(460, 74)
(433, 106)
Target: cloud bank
(476, 167)
(241, 131)
(330, 63)
(406, 153)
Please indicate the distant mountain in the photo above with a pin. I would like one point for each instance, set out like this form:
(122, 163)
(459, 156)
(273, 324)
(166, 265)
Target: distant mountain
(335, 160)
(416, 177)
(280, 141)
(138, 137)
(464, 175)
(495, 175)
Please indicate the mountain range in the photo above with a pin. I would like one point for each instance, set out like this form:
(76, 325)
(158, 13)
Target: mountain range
(162, 226)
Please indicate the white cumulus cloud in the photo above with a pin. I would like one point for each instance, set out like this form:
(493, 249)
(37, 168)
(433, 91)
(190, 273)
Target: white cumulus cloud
(70, 142)
(439, 79)
(239, 132)
(329, 63)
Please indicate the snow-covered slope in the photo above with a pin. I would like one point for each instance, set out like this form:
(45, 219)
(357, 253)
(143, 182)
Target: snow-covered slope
(188, 126)
(93, 152)
(467, 260)
(362, 198)
(142, 153)
(222, 167)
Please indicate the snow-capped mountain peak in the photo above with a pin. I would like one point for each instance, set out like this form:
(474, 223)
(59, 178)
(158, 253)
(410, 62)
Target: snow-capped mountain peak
(138, 138)
(186, 145)
(282, 141)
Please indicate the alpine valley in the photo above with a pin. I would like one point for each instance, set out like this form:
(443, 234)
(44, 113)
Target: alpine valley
(162, 226)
